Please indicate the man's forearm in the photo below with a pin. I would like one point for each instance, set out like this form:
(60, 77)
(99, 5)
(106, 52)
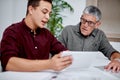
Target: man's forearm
(20, 64)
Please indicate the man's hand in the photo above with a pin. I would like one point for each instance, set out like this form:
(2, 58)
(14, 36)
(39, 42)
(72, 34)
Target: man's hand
(58, 63)
(114, 65)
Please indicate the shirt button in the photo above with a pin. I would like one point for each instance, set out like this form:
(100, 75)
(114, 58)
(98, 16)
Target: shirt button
(36, 47)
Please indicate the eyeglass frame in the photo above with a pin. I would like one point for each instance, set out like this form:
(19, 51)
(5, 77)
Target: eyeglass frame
(90, 23)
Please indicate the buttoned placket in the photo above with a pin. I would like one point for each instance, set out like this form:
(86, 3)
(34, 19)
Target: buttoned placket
(35, 43)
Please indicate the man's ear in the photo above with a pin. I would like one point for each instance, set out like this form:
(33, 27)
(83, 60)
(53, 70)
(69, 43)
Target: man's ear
(97, 24)
(30, 9)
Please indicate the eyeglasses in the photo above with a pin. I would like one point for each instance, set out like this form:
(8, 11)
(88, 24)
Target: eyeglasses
(90, 23)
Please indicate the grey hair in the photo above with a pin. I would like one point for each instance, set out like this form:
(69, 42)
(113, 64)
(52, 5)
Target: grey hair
(93, 11)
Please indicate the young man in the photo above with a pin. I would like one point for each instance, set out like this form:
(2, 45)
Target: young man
(86, 36)
(26, 45)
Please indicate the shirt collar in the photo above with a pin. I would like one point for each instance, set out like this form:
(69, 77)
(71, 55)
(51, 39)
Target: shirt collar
(28, 29)
(94, 32)
(77, 28)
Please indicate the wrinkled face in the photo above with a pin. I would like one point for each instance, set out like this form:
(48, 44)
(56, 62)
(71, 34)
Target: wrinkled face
(88, 24)
(40, 15)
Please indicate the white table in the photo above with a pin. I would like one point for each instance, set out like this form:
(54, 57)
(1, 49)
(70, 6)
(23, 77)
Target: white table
(92, 73)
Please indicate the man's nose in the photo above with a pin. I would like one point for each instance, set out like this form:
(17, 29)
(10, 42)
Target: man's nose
(47, 16)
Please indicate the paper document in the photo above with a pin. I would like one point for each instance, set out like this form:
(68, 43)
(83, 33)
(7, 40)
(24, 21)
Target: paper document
(81, 59)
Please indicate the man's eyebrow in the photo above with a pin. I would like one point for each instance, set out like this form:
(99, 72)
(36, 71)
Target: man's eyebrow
(46, 9)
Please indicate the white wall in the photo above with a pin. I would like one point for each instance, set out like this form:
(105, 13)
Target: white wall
(116, 45)
(5, 14)
(74, 18)
(12, 11)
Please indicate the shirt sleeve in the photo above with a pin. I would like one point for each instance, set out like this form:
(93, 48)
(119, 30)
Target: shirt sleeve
(56, 46)
(9, 47)
(64, 36)
(105, 47)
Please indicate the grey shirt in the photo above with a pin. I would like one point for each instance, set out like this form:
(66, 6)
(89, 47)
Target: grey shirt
(72, 38)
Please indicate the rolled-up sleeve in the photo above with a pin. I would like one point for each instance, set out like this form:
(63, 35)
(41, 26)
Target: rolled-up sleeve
(56, 46)
(105, 47)
(8, 47)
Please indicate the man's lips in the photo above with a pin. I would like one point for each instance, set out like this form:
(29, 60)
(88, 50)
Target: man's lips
(84, 29)
(44, 22)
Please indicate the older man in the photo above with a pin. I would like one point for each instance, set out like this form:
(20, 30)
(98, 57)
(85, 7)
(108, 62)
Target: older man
(86, 36)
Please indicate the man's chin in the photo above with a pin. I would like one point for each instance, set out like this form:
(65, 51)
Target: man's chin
(85, 34)
(42, 26)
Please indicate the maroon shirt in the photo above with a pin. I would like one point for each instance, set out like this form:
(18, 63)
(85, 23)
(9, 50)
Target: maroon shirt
(19, 41)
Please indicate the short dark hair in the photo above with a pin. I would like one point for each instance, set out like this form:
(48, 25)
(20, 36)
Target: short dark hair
(35, 3)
